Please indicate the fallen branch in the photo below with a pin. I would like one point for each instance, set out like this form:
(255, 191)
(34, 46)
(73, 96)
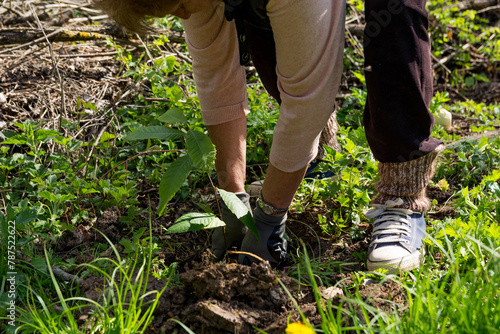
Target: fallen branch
(30, 36)
(474, 4)
(487, 9)
(64, 276)
(57, 34)
(475, 137)
(58, 272)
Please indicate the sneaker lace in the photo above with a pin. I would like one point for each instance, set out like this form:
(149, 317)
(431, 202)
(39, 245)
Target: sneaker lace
(391, 223)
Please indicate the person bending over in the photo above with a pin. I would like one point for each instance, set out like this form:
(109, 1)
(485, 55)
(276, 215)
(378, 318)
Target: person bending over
(297, 49)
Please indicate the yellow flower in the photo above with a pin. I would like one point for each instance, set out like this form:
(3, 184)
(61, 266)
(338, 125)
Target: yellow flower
(298, 328)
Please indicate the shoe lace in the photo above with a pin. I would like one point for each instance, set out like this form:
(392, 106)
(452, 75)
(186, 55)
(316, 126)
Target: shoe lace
(391, 223)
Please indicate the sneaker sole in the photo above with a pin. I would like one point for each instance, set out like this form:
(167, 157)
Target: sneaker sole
(406, 263)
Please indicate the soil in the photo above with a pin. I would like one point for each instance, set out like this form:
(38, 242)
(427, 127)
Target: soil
(209, 297)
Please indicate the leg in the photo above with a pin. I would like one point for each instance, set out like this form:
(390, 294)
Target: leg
(280, 187)
(307, 76)
(230, 141)
(398, 126)
(230, 162)
(221, 86)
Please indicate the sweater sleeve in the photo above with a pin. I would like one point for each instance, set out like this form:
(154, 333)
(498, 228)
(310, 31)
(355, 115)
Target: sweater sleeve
(220, 80)
(309, 37)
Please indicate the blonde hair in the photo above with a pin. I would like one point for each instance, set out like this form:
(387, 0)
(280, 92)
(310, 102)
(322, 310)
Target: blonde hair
(133, 14)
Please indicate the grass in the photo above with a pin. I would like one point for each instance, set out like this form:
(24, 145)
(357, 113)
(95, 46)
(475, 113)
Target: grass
(126, 305)
(45, 193)
(454, 296)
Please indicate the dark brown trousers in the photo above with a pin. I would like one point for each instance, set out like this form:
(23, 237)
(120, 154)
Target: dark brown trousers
(398, 71)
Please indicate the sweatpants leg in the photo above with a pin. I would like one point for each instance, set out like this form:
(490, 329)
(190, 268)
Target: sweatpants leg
(398, 71)
(263, 54)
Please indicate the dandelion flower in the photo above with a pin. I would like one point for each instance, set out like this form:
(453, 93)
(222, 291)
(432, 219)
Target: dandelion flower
(298, 328)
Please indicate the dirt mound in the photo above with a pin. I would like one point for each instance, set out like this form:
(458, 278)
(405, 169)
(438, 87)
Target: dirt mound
(227, 298)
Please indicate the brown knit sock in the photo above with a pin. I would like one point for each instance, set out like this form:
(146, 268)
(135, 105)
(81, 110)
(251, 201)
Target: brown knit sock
(408, 181)
(329, 136)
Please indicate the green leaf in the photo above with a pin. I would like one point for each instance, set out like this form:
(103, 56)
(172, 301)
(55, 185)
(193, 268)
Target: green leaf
(239, 209)
(186, 328)
(127, 244)
(66, 197)
(24, 217)
(39, 264)
(200, 149)
(18, 156)
(360, 77)
(174, 115)
(138, 234)
(154, 132)
(51, 179)
(48, 196)
(470, 81)
(17, 139)
(43, 135)
(74, 145)
(172, 180)
(195, 221)
(106, 136)
(350, 146)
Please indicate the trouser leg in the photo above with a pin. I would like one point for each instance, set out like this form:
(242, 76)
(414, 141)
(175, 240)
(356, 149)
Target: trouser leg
(397, 120)
(263, 53)
(399, 80)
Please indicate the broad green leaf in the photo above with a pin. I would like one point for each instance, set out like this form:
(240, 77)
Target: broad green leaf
(74, 145)
(48, 196)
(138, 234)
(470, 81)
(195, 221)
(350, 146)
(106, 136)
(494, 188)
(39, 264)
(172, 180)
(24, 217)
(66, 197)
(239, 209)
(172, 116)
(18, 156)
(42, 134)
(200, 149)
(51, 179)
(154, 132)
(126, 243)
(17, 139)
(360, 77)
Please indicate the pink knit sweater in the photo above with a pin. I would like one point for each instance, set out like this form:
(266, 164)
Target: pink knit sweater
(309, 37)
